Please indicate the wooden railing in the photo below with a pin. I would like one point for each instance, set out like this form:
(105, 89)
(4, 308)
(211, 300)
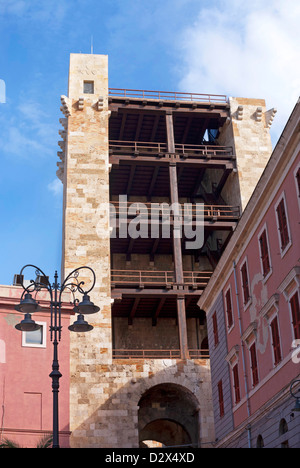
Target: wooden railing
(160, 149)
(130, 278)
(158, 353)
(167, 95)
(155, 210)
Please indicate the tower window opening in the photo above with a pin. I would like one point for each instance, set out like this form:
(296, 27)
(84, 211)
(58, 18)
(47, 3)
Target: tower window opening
(88, 87)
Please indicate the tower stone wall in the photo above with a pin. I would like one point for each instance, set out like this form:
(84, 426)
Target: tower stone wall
(247, 130)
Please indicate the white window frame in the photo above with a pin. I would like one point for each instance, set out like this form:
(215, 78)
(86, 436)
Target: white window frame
(36, 345)
(265, 228)
(283, 252)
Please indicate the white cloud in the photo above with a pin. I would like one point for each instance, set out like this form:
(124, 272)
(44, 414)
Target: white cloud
(20, 144)
(28, 132)
(56, 187)
(245, 49)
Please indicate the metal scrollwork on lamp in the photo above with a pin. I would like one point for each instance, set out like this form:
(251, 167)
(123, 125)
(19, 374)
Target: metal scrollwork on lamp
(293, 392)
(28, 305)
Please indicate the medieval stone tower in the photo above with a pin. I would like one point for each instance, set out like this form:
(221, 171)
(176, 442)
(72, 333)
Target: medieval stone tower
(142, 374)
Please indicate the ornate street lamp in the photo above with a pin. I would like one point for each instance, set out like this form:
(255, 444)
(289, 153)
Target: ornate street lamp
(293, 393)
(28, 305)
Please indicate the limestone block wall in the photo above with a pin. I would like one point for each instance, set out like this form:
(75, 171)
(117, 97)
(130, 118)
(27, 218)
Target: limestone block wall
(248, 132)
(118, 388)
(85, 174)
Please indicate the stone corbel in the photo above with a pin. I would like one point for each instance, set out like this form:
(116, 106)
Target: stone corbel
(81, 103)
(62, 144)
(269, 116)
(64, 123)
(240, 111)
(258, 114)
(100, 103)
(62, 133)
(60, 171)
(66, 106)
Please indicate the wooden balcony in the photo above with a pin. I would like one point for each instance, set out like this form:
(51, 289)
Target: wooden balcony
(132, 354)
(156, 210)
(158, 151)
(167, 95)
(157, 279)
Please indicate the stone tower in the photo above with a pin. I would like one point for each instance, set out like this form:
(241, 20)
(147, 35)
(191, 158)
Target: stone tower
(143, 372)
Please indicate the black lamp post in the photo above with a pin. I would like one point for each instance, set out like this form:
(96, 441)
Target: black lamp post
(29, 305)
(293, 393)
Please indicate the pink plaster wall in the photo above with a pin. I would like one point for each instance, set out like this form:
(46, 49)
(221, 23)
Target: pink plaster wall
(270, 377)
(25, 385)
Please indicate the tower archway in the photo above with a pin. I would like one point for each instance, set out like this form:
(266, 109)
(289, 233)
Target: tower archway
(168, 415)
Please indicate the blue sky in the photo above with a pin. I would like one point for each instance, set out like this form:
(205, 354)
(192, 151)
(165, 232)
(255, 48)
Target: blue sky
(231, 47)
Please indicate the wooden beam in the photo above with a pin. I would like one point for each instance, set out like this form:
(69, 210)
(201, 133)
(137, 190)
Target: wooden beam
(154, 249)
(117, 293)
(133, 310)
(154, 127)
(198, 182)
(130, 180)
(173, 159)
(138, 127)
(180, 173)
(181, 314)
(177, 252)
(153, 181)
(222, 182)
(219, 112)
(124, 117)
(158, 310)
(187, 129)
(129, 250)
(202, 131)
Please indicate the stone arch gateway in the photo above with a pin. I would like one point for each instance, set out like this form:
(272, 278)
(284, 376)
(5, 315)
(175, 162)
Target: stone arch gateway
(169, 414)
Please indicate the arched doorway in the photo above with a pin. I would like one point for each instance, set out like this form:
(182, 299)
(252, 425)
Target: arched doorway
(164, 432)
(168, 415)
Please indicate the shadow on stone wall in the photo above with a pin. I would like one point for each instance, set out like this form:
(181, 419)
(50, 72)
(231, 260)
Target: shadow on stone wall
(134, 395)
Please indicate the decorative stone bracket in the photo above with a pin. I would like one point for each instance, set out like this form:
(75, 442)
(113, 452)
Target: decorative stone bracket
(66, 106)
(269, 115)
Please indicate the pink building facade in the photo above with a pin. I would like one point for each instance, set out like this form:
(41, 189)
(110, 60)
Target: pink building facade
(252, 305)
(25, 365)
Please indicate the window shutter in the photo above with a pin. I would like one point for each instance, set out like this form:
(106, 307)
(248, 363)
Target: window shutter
(295, 315)
(229, 309)
(298, 181)
(282, 222)
(275, 341)
(215, 328)
(236, 383)
(254, 367)
(245, 284)
(264, 253)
